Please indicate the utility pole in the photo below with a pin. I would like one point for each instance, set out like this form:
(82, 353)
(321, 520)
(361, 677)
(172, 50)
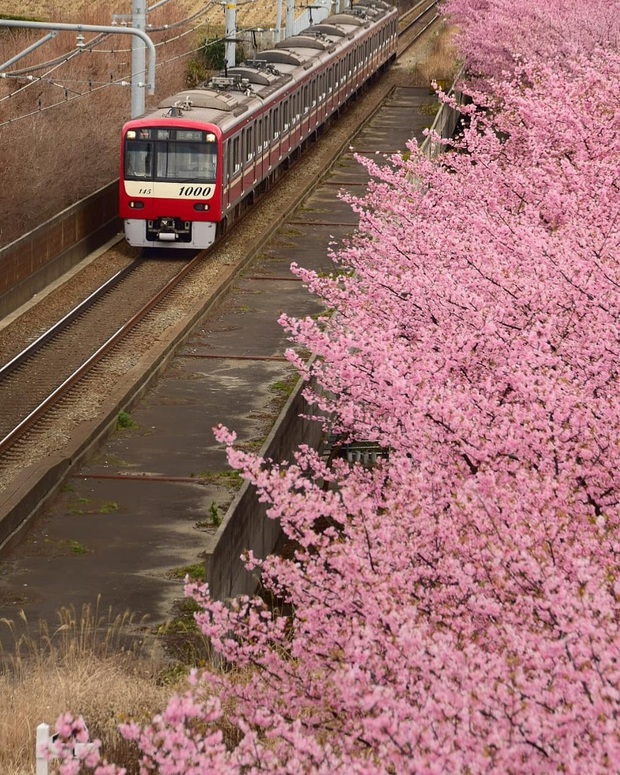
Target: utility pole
(290, 18)
(231, 32)
(278, 21)
(138, 59)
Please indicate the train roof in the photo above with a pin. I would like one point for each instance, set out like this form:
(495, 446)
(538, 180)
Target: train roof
(251, 83)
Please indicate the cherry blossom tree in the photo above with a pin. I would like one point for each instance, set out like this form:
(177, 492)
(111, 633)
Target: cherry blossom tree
(456, 607)
(496, 35)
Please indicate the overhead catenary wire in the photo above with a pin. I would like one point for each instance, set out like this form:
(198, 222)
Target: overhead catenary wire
(59, 61)
(32, 80)
(104, 35)
(117, 82)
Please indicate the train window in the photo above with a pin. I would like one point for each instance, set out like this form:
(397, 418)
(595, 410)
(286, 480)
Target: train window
(259, 134)
(306, 103)
(235, 155)
(170, 159)
(138, 160)
(275, 117)
(285, 115)
(248, 139)
(313, 91)
(195, 161)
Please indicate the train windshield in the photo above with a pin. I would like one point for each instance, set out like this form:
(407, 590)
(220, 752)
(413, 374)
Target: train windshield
(171, 155)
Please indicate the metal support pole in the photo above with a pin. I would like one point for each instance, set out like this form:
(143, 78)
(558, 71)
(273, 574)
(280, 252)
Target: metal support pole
(278, 21)
(157, 5)
(26, 51)
(94, 28)
(290, 18)
(138, 59)
(231, 32)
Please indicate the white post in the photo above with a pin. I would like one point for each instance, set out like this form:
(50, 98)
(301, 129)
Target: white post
(290, 18)
(138, 60)
(279, 21)
(43, 742)
(231, 32)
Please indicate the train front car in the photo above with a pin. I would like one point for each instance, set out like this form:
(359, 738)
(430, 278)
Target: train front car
(170, 182)
(190, 167)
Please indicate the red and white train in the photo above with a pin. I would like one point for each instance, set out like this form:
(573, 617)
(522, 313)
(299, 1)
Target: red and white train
(187, 167)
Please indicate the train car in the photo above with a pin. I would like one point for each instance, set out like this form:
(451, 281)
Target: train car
(188, 167)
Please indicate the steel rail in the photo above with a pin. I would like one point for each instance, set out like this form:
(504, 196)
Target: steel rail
(64, 322)
(420, 16)
(35, 415)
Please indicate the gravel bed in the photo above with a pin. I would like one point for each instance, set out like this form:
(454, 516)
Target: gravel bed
(46, 308)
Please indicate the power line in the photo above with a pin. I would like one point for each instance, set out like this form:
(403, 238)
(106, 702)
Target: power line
(34, 80)
(118, 82)
(59, 61)
(61, 58)
(77, 95)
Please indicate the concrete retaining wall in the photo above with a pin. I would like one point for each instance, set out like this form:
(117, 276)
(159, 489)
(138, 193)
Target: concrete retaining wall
(445, 122)
(246, 524)
(32, 262)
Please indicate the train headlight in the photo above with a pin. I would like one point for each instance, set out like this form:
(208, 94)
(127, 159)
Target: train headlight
(201, 206)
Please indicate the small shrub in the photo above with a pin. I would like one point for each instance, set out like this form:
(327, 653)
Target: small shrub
(125, 421)
(77, 548)
(196, 572)
(214, 514)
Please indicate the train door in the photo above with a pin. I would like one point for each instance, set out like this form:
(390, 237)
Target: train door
(322, 96)
(305, 111)
(234, 169)
(314, 107)
(259, 139)
(285, 113)
(276, 152)
(332, 87)
(296, 117)
(249, 155)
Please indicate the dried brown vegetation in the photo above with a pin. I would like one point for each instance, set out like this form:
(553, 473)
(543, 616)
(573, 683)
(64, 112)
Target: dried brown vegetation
(440, 62)
(85, 663)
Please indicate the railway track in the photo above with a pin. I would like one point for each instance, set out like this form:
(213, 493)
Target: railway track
(40, 375)
(414, 23)
(117, 318)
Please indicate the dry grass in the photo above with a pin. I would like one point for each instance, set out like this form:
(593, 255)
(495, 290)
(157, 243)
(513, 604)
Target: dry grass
(440, 62)
(77, 10)
(86, 664)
